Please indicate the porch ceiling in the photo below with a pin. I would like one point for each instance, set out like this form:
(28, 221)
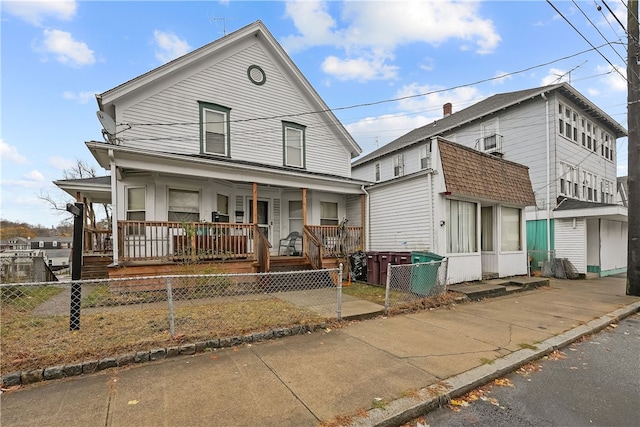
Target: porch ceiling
(205, 167)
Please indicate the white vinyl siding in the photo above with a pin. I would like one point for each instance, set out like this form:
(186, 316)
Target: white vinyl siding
(224, 79)
(570, 242)
(401, 216)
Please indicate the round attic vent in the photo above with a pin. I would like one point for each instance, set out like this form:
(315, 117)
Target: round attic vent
(256, 75)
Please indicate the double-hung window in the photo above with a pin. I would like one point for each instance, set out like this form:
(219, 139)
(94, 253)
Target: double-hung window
(184, 205)
(398, 165)
(425, 156)
(214, 129)
(293, 136)
(329, 213)
(295, 216)
(135, 204)
(461, 227)
(377, 172)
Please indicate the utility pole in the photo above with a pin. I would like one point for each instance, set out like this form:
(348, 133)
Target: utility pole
(633, 117)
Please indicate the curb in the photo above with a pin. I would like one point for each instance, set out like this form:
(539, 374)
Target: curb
(405, 409)
(27, 377)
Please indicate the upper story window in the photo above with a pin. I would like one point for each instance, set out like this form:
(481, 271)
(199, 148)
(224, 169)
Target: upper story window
(568, 180)
(41, 244)
(567, 122)
(184, 205)
(491, 140)
(377, 171)
(398, 165)
(425, 156)
(607, 190)
(214, 129)
(293, 136)
(589, 190)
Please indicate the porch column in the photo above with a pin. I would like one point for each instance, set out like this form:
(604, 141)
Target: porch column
(304, 220)
(363, 220)
(254, 202)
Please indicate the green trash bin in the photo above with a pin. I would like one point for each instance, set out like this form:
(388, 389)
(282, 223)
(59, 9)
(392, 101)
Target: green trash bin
(424, 276)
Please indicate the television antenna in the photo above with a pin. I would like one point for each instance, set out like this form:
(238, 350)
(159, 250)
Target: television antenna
(224, 23)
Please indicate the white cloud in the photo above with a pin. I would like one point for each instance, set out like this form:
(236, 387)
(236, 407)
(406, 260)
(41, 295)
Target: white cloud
(358, 68)
(169, 46)
(34, 12)
(501, 77)
(11, 153)
(404, 23)
(554, 76)
(67, 50)
(422, 105)
(79, 97)
(614, 80)
(32, 179)
(61, 163)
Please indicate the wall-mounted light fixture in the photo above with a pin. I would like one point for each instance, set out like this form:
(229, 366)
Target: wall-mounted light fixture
(442, 223)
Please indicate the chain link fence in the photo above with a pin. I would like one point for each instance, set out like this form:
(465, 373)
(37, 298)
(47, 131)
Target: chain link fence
(409, 283)
(43, 323)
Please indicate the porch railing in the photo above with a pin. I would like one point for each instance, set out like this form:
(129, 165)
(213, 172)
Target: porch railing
(185, 242)
(312, 248)
(97, 240)
(337, 240)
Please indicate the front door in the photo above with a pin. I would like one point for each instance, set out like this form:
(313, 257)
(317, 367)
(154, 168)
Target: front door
(263, 216)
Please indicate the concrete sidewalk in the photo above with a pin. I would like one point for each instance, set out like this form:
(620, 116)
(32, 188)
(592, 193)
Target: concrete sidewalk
(402, 365)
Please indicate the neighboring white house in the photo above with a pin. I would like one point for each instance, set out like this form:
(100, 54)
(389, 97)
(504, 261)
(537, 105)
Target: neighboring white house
(456, 202)
(229, 133)
(568, 143)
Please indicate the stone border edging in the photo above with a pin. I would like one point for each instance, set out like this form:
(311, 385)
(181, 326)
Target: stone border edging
(405, 409)
(92, 366)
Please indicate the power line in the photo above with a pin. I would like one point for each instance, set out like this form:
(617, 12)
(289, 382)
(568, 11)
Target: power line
(599, 32)
(384, 101)
(585, 39)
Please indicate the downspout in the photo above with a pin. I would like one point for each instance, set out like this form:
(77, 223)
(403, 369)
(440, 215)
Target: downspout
(546, 105)
(367, 222)
(114, 207)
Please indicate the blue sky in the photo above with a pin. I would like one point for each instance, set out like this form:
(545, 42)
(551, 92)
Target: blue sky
(56, 55)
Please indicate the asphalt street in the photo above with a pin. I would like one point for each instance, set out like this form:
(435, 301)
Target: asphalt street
(593, 382)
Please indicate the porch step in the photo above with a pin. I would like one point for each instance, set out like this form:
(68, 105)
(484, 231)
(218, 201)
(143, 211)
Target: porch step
(498, 287)
(95, 267)
(289, 263)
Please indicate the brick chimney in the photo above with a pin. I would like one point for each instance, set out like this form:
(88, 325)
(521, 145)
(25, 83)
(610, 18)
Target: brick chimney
(446, 109)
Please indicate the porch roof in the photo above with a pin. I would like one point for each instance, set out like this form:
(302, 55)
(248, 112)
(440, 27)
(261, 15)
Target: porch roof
(572, 208)
(97, 189)
(197, 165)
(468, 172)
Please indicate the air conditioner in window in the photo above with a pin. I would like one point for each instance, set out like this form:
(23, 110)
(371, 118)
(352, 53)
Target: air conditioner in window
(492, 144)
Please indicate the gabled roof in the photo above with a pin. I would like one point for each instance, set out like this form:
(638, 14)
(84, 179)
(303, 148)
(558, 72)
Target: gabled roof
(200, 55)
(483, 108)
(468, 172)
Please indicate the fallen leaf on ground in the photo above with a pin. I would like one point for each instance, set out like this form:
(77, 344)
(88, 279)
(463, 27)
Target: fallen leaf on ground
(214, 357)
(133, 402)
(457, 402)
(503, 382)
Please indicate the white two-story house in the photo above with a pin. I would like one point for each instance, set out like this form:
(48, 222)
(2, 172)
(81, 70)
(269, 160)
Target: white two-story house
(569, 146)
(220, 155)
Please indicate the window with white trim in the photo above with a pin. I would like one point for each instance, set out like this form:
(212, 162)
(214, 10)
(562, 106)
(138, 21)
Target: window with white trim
(295, 216)
(486, 228)
(425, 156)
(510, 227)
(398, 165)
(589, 190)
(329, 213)
(569, 180)
(184, 205)
(377, 171)
(567, 122)
(293, 137)
(222, 206)
(490, 137)
(136, 203)
(214, 129)
(461, 227)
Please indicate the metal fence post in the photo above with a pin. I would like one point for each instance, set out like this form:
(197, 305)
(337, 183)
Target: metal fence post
(172, 320)
(387, 288)
(340, 293)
